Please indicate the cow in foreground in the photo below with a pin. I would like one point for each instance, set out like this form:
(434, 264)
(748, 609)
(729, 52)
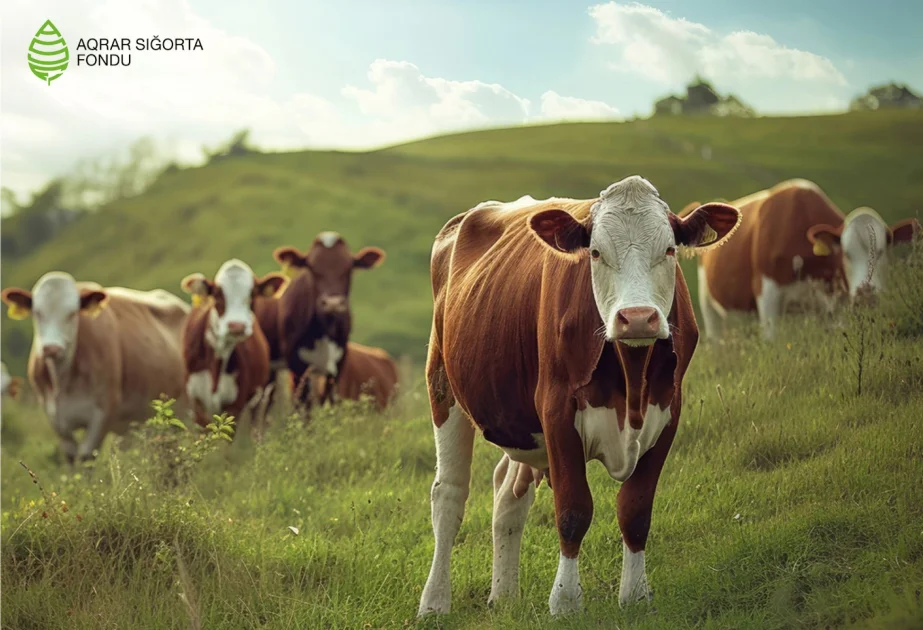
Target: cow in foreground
(224, 349)
(315, 320)
(9, 385)
(366, 371)
(562, 330)
(99, 355)
(795, 250)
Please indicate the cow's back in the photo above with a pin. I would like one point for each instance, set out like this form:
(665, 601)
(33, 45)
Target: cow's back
(368, 370)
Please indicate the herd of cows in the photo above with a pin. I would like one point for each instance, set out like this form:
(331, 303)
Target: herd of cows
(562, 330)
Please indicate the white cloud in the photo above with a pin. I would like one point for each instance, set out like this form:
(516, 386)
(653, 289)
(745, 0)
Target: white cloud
(671, 50)
(557, 107)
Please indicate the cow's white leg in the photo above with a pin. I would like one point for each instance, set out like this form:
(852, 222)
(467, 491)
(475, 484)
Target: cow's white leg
(769, 306)
(509, 520)
(711, 318)
(94, 434)
(567, 593)
(454, 446)
(633, 587)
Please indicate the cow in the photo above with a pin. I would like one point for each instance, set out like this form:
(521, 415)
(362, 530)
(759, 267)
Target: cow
(266, 309)
(788, 255)
(562, 329)
(366, 370)
(99, 355)
(314, 312)
(225, 351)
(9, 385)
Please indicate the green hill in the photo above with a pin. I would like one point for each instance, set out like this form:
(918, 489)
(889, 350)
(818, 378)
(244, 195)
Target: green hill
(398, 198)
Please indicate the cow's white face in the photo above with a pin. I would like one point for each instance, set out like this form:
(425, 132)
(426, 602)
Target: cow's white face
(633, 262)
(231, 318)
(632, 238)
(55, 305)
(865, 254)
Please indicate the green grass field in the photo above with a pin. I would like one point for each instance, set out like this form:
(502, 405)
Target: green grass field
(789, 499)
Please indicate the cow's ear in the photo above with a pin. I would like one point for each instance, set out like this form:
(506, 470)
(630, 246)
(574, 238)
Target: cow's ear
(704, 228)
(93, 301)
(19, 302)
(560, 230)
(824, 238)
(291, 261)
(198, 286)
(269, 285)
(368, 258)
(903, 231)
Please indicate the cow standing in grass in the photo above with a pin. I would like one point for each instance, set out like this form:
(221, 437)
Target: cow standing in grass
(795, 251)
(225, 351)
(366, 372)
(99, 355)
(562, 330)
(314, 312)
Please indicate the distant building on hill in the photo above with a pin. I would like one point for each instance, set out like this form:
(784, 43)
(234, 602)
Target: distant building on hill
(701, 99)
(889, 96)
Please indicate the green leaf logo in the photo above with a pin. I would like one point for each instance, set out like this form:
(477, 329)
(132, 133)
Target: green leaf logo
(48, 55)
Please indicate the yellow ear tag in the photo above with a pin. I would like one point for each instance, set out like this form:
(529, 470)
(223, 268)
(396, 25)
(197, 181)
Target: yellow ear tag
(821, 249)
(18, 312)
(268, 291)
(197, 300)
(94, 310)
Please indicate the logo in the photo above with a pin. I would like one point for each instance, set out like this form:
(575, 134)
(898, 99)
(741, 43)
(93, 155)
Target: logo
(48, 54)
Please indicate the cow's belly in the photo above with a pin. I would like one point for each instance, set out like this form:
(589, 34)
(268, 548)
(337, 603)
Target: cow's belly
(803, 296)
(618, 449)
(213, 399)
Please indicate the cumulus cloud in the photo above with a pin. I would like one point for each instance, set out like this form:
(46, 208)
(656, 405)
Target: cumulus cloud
(671, 50)
(557, 107)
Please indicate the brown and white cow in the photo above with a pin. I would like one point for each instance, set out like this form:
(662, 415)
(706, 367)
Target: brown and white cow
(366, 371)
(562, 330)
(787, 255)
(9, 385)
(225, 351)
(315, 318)
(99, 355)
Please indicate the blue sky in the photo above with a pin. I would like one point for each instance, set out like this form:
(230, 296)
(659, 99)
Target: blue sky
(363, 73)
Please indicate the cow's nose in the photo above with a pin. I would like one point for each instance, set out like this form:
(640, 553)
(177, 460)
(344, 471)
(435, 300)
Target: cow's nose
(637, 322)
(332, 303)
(52, 351)
(236, 328)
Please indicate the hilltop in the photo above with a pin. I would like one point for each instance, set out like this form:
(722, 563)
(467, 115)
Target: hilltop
(398, 198)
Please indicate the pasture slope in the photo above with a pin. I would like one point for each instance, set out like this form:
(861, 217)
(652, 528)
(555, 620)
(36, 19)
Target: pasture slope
(790, 500)
(398, 198)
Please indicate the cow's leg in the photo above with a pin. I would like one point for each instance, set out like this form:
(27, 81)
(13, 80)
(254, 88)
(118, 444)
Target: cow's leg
(712, 319)
(454, 447)
(68, 447)
(573, 506)
(769, 306)
(635, 503)
(509, 520)
(94, 435)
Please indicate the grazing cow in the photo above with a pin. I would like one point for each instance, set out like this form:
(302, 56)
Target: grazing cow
(562, 330)
(99, 355)
(786, 255)
(9, 385)
(224, 348)
(314, 314)
(366, 370)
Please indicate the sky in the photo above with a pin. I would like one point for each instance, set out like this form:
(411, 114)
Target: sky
(359, 74)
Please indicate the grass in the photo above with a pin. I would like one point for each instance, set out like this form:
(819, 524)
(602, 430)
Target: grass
(398, 198)
(788, 501)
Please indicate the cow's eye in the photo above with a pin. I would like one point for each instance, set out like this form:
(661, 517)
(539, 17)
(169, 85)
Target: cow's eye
(595, 254)
(671, 251)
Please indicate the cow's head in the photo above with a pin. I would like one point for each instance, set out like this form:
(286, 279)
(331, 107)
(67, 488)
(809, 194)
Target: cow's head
(862, 241)
(331, 265)
(631, 237)
(229, 299)
(55, 305)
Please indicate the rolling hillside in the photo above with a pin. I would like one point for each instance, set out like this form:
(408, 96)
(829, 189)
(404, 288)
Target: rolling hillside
(398, 198)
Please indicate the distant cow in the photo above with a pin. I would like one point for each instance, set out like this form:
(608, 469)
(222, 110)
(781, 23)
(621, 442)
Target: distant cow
(266, 309)
(562, 329)
(787, 255)
(314, 311)
(366, 371)
(9, 385)
(99, 355)
(225, 351)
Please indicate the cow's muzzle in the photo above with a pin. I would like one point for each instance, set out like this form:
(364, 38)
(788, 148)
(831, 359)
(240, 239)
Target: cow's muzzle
(637, 322)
